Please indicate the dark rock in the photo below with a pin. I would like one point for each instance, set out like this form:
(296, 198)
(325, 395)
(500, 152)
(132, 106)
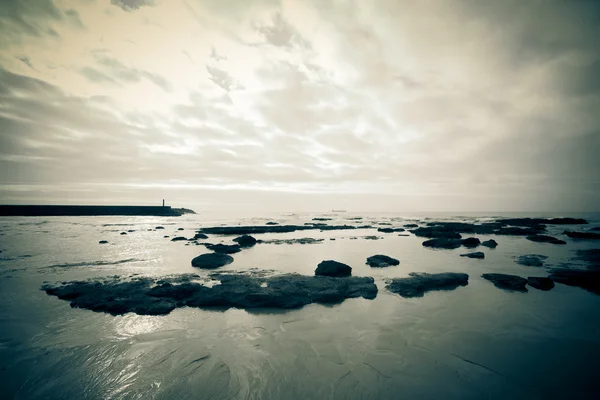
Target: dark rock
(371, 237)
(436, 232)
(443, 243)
(390, 230)
(538, 221)
(507, 282)
(540, 283)
(411, 225)
(477, 254)
(224, 248)
(146, 296)
(180, 229)
(545, 239)
(590, 256)
(271, 223)
(321, 219)
(292, 241)
(123, 233)
(331, 238)
(583, 235)
(131, 230)
(245, 241)
(470, 242)
(250, 230)
(211, 260)
(355, 219)
(490, 243)
(516, 231)
(597, 228)
(381, 261)
(417, 284)
(531, 260)
(178, 239)
(166, 236)
(200, 236)
(160, 227)
(103, 242)
(585, 279)
(333, 268)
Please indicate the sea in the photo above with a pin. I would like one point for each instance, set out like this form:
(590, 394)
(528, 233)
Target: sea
(475, 342)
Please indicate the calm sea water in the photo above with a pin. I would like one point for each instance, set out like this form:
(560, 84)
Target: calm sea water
(471, 343)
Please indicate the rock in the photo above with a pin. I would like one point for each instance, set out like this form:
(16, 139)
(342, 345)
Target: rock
(245, 241)
(477, 254)
(490, 243)
(131, 230)
(200, 236)
(103, 242)
(390, 230)
(211, 260)
(331, 238)
(442, 243)
(507, 282)
(381, 261)
(597, 228)
(585, 279)
(417, 284)
(123, 233)
(589, 256)
(411, 225)
(180, 229)
(321, 219)
(436, 232)
(250, 230)
(515, 231)
(160, 227)
(371, 237)
(470, 242)
(147, 296)
(224, 248)
(545, 239)
(583, 235)
(166, 236)
(179, 239)
(540, 283)
(531, 260)
(292, 241)
(333, 268)
(271, 223)
(538, 221)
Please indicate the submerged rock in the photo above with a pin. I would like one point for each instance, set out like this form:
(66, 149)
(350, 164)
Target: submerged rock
(417, 284)
(224, 248)
(245, 241)
(545, 239)
(146, 296)
(507, 282)
(381, 261)
(476, 254)
(178, 239)
(540, 283)
(531, 260)
(333, 268)
(390, 230)
(103, 242)
(490, 243)
(443, 243)
(585, 279)
(211, 260)
(583, 235)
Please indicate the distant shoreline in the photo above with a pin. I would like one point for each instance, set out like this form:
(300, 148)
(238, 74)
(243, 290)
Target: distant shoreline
(83, 210)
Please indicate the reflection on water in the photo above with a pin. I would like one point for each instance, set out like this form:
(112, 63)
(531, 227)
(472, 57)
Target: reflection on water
(475, 342)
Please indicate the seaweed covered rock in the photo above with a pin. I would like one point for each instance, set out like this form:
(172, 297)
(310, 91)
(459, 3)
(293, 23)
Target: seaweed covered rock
(545, 239)
(476, 254)
(211, 260)
(507, 282)
(540, 283)
(245, 241)
(381, 261)
(333, 268)
(147, 296)
(417, 284)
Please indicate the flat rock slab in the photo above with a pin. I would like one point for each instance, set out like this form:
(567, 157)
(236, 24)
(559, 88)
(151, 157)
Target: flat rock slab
(507, 282)
(545, 239)
(531, 260)
(224, 248)
(492, 244)
(148, 296)
(477, 254)
(333, 268)
(585, 279)
(540, 283)
(417, 284)
(211, 260)
(381, 261)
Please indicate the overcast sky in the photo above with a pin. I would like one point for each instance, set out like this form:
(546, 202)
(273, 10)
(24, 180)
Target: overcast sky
(302, 105)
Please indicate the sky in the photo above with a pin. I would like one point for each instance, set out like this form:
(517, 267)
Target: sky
(302, 105)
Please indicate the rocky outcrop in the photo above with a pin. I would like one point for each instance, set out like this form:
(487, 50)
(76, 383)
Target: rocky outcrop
(147, 296)
(545, 239)
(492, 244)
(211, 260)
(507, 282)
(245, 241)
(417, 284)
(381, 261)
(333, 268)
(470, 242)
(477, 254)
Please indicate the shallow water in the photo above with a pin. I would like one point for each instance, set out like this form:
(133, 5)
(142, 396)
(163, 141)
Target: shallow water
(470, 343)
